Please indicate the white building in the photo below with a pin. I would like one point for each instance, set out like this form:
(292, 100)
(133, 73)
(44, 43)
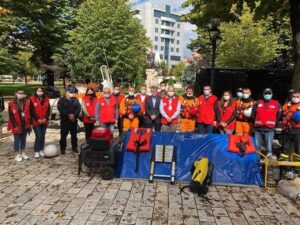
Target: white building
(164, 29)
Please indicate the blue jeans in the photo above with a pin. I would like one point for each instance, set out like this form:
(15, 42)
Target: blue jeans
(205, 129)
(20, 140)
(268, 136)
(40, 132)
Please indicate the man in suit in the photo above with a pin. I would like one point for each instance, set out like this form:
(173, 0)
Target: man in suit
(152, 113)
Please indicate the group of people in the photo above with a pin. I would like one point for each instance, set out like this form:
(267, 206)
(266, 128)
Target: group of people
(161, 110)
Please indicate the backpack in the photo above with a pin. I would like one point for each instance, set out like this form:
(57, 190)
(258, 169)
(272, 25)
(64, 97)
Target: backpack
(201, 173)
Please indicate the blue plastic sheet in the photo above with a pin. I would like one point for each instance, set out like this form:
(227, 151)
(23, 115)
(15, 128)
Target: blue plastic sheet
(229, 168)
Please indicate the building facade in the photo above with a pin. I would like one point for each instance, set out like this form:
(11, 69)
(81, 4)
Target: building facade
(165, 30)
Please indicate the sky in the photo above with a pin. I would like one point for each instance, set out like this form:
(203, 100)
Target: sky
(188, 28)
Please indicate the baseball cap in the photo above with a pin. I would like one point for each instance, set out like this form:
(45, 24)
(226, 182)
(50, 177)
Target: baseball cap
(70, 89)
(268, 91)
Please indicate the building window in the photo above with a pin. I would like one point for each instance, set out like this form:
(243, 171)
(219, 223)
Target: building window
(178, 42)
(178, 34)
(156, 38)
(172, 49)
(167, 32)
(162, 40)
(161, 56)
(168, 23)
(178, 25)
(177, 50)
(162, 48)
(156, 21)
(155, 47)
(156, 30)
(172, 41)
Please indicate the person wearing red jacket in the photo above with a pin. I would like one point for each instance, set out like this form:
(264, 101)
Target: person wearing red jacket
(106, 111)
(206, 113)
(119, 97)
(142, 98)
(88, 106)
(40, 112)
(19, 122)
(225, 113)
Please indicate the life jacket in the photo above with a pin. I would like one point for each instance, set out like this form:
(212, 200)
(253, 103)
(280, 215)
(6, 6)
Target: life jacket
(240, 107)
(126, 107)
(139, 138)
(206, 114)
(266, 114)
(225, 114)
(107, 111)
(189, 107)
(241, 145)
(140, 97)
(119, 99)
(288, 110)
(40, 109)
(90, 108)
(169, 109)
(18, 116)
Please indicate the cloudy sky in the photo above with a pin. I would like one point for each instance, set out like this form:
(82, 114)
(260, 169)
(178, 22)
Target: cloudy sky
(188, 28)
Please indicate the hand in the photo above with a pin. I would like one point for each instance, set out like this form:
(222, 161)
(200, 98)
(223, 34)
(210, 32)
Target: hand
(40, 121)
(71, 117)
(17, 128)
(169, 120)
(97, 124)
(92, 118)
(153, 117)
(44, 121)
(131, 116)
(215, 123)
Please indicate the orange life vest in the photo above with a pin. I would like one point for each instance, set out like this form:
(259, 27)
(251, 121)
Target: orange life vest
(141, 137)
(266, 114)
(240, 107)
(90, 106)
(40, 109)
(170, 107)
(206, 113)
(18, 116)
(241, 145)
(189, 108)
(107, 111)
(288, 110)
(225, 114)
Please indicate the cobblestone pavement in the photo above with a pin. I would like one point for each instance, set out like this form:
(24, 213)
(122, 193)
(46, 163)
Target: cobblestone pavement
(48, 191)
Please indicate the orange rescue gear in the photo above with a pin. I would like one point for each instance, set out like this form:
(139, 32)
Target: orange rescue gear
(288, 110)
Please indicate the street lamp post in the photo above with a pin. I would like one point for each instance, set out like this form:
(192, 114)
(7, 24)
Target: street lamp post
(214, 35)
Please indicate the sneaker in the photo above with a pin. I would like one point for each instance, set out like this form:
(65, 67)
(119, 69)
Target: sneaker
(18, 158)
(24, 156)
(271, 156)
(75, 150)
(42, 153)
(36, 155)
(63, 151)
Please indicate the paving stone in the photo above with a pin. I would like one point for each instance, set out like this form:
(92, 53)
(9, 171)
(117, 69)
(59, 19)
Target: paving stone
(206, 215)
(145, 212)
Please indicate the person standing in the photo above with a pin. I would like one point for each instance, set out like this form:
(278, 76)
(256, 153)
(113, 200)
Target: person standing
(40, 112)
(88, 105)
(119, 97)
(189, 110)
(163, 89)
(244, 119)
(267, 113)
(130, 117)
(225, 113)
(169, 109)
(152, 113)
(239, 96)
(106, 111)
(69, 109)
(19, 122)
(291, 128)
(142, 96)
(206, 113)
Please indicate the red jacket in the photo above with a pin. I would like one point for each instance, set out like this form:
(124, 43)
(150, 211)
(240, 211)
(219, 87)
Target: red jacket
(206, 113)
(170, 109)
(90, 108)
(15, 114)
(107, 111)
(266, 114)
(225, 114)
(39, 109)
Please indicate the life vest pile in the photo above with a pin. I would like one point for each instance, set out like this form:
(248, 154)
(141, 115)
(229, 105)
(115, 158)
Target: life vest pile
(241, 145)
(140, 137)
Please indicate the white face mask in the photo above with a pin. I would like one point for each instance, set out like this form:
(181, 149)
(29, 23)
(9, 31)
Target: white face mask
(90, 93)
(295, 100)
(71, 95)
(239, 94)
(163, 88)
(226, 97)
(206, 92)
(246, 96)
(143, 91)
(39, 93)
(106, 95)
(131, 93)
(189, 95)
(171, 93)
(20, 96)
(116, 92)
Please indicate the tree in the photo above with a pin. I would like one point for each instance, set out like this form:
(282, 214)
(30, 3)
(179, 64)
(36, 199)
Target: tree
(246, 44)
(26, 66)
(164, 69)
(7, 63)
(178, 70)
(202, 12)
(107, 32)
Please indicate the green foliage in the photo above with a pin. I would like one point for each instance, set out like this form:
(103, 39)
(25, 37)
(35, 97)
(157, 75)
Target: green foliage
(178, 70)
(7, 62)
(107, 28)
(164, 69)
(26, 65)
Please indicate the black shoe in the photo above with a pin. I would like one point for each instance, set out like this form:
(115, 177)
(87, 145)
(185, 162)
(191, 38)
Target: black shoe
(75, 150)
(63, 152)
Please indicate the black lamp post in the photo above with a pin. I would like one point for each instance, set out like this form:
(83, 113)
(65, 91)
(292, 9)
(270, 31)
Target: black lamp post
(214, 35)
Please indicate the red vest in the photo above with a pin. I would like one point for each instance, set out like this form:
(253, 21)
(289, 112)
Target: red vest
(140, 136)
(139, 98)
(107, 111)
(225, 114)
(236, 143)
(170, 109)
(13, 108)
(288, 112)
(39, 109)
(90, 108)
(266, 114)
(206, 113)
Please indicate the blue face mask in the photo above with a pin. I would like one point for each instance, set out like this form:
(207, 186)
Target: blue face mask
(267, 97)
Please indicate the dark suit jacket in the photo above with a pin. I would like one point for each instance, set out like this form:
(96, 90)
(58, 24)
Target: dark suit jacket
(150, 109)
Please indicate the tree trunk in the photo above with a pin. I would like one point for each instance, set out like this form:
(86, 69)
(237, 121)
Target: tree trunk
(295, 24)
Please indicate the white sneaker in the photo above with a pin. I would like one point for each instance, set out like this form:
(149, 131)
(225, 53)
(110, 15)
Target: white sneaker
(24, 156)
(36, 155)
(271, 156)
(18, 158)
(42, 153)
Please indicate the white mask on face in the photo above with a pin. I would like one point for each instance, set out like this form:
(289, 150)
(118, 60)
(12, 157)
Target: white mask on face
(163, 88)
(189, 95)
(143, 91)
(116, 92)
(239, 94)
(226, 97)
(206, 92)
(246, 96)
(106, 95)
(39, 93)
(20, 96)
(131, 93)
(295, 100)
(71, 95)
(171, 93)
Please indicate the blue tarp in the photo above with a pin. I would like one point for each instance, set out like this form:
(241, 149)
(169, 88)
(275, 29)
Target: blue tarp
(229, 167)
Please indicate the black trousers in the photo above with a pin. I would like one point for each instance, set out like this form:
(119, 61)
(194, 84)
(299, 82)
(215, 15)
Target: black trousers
(156, 124)
(289, 140)
(120, 126)
(88, 128)
(67, 126)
